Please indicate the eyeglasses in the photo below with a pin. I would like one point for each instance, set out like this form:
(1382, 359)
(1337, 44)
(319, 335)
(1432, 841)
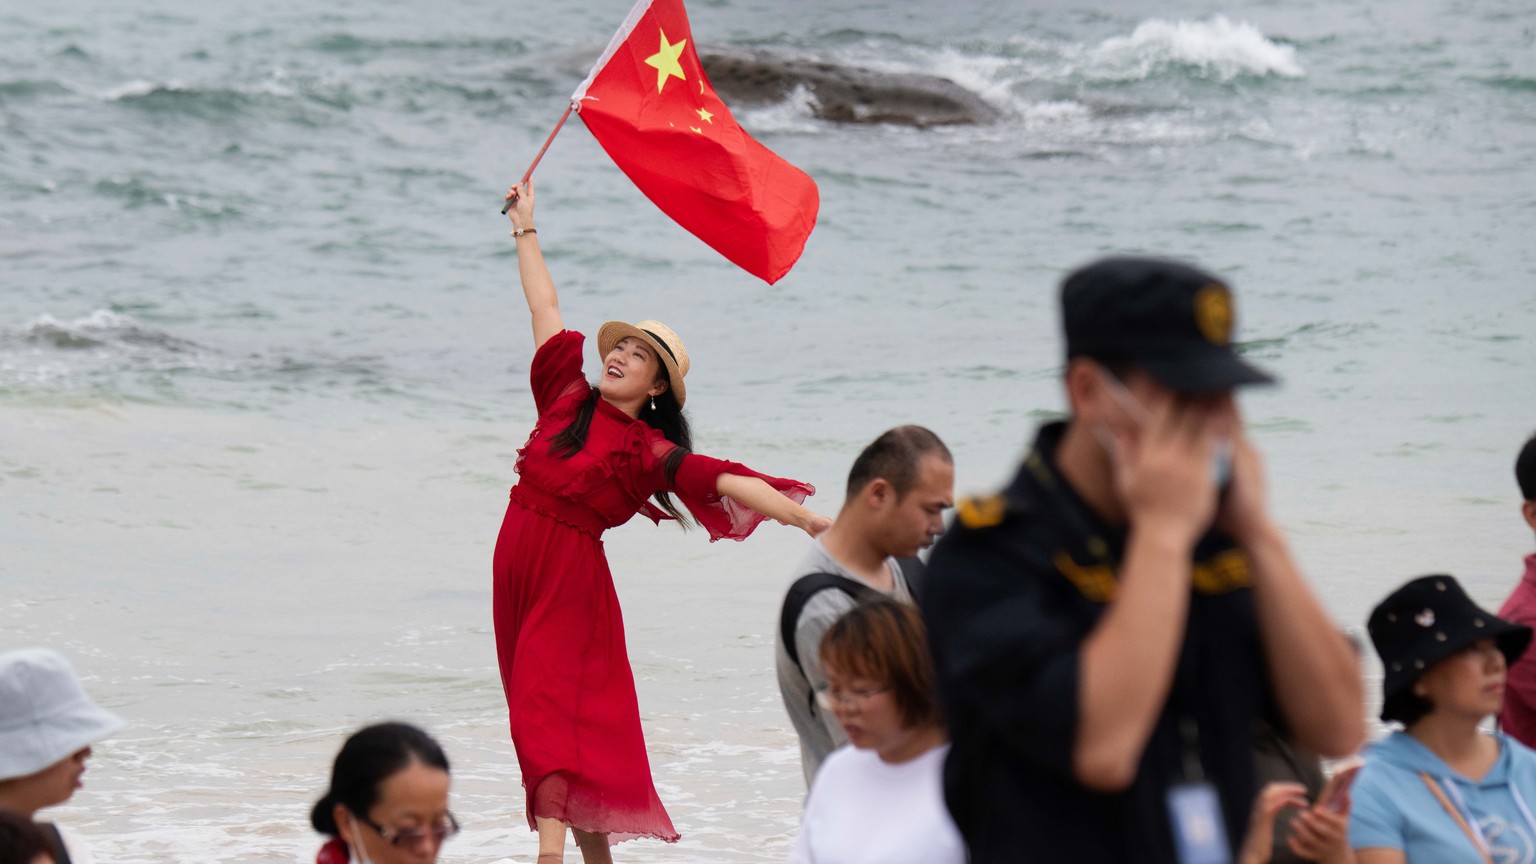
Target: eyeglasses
(827, 697)
(445, 828)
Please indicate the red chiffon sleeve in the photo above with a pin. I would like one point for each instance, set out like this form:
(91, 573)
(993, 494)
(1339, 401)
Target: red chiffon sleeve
(555, 372)
(722, 517)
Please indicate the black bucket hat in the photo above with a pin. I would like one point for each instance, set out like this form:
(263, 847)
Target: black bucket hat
(1427, 620)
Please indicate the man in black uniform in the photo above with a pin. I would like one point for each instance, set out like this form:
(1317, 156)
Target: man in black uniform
(1108, 628)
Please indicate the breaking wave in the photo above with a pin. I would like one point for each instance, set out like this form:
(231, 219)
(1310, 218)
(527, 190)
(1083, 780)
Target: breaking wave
(111, 354)
(1217, 48)
(102, 328)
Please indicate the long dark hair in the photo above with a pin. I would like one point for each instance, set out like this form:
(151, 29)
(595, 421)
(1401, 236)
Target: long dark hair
(372, 755)
(667, 417)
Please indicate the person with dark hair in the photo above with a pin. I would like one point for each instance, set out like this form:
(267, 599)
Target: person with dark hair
(1107, 629)
(898, 490)
(1440, 789)
(388, 799)
(22, 841)
(1518, 716)
(597, 453)
(47, 727)
(881, 797)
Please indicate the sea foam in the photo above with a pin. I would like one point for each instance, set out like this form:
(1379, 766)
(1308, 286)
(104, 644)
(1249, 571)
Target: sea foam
(1217, 47)
(88, 331)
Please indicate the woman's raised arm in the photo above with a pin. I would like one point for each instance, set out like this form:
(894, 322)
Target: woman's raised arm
(765, 499)
(538, 288)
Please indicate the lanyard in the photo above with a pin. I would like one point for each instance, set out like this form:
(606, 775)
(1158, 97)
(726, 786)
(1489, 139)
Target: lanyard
(1463, 814)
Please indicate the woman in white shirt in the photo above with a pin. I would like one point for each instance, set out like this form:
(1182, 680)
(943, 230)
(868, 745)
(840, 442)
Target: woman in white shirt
(880, 798)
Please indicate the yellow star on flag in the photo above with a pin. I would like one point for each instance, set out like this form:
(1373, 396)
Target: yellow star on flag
(706, 116)
(665, 61)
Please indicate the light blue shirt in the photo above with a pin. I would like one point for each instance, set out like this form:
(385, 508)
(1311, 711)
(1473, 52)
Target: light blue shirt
(1393, 808)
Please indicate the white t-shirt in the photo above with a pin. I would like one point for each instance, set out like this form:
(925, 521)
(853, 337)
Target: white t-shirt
(864, 810)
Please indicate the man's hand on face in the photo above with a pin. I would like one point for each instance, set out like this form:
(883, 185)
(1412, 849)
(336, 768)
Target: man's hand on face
(1163, 465)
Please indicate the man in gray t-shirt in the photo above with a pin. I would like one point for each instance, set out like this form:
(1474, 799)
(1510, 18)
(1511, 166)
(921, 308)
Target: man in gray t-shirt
(898, 490)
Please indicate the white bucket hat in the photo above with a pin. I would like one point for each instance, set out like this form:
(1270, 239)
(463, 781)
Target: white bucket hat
(45, 715)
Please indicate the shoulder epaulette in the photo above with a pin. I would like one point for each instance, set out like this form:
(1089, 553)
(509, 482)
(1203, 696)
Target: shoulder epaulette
(982, 511)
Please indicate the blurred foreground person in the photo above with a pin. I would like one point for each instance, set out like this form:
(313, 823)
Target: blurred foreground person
(1109, 627)
(47, 727)
(388, 801)
(879, 799)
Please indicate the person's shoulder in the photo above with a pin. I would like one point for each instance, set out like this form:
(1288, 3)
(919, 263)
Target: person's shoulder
(1520, 605)
(983, 512)
(982, 522)
(1375, 787)
(835, 769)
(815, 560)
(812, 602)
(1521, 757)
(815, 566)
(846, 761)
(935, 756)
(562, 342)
(988, 524)
(1002, 511)
(827, 603)
(1384, 767)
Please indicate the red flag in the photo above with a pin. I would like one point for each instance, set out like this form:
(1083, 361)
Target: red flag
(650, 106)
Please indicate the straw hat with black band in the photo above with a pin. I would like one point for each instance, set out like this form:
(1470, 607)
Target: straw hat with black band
(668, 347)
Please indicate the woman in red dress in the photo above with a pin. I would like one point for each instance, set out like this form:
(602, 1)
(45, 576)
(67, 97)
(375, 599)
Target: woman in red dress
(596, 455)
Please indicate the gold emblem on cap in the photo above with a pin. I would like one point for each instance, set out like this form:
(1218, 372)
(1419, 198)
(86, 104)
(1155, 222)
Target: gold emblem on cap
(1213, 313)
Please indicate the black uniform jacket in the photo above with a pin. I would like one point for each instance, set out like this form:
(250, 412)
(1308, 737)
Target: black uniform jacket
(1013, 589)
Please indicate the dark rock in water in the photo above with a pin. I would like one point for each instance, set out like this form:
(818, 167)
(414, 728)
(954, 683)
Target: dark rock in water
(844, 94)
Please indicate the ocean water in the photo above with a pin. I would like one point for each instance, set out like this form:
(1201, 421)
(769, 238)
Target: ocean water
(263, 355)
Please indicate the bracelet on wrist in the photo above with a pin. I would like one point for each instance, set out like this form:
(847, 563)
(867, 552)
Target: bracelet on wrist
(518, 232)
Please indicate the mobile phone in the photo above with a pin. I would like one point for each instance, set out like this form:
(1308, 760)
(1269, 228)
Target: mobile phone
(1335, 795)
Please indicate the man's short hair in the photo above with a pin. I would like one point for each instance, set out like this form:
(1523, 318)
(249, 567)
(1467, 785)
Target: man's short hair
(1525, 469)
(895, 456)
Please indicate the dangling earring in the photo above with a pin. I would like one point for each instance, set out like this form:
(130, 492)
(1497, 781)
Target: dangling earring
(653, 403)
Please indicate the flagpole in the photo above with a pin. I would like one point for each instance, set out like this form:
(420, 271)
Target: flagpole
(529, 173)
